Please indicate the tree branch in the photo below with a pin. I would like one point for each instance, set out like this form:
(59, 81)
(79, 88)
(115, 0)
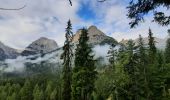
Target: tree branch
(101, 0)
(70, 2)
(13, 8)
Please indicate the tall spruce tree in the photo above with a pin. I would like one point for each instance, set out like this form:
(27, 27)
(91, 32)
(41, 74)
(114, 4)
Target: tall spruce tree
(112, 56)
(143, 69)
(38, 93)
(26, 91)
(84, 73)
(67, 59)
(152, 47)
(167, 50)
(132, 69)
(48, 90)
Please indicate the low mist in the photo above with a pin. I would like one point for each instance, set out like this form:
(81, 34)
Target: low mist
(18, 64)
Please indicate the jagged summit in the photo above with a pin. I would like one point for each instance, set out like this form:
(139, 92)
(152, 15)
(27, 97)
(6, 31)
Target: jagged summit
(93, 30)
(96, 36)
(42, 45)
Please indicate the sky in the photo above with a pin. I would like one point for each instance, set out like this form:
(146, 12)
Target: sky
(48, 18)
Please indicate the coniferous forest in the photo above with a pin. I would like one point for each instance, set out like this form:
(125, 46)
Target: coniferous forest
(136, 71)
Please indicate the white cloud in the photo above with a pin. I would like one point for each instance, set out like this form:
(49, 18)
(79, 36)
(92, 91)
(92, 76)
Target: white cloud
(39, 18)
(116, 24)
(49, 17)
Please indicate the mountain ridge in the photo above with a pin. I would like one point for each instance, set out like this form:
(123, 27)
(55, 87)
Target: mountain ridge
(96, 36)
(41, 45)
(160, 42)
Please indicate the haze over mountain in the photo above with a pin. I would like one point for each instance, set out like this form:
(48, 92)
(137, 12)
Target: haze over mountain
(45, 45)
(160, 43)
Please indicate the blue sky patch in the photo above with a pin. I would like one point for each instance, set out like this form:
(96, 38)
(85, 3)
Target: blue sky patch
(86, 12)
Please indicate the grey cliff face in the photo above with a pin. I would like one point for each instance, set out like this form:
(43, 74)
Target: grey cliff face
(42, 45)
(7, 52)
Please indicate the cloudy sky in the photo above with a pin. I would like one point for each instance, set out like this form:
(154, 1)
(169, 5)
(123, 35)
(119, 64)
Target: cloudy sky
(48, 18)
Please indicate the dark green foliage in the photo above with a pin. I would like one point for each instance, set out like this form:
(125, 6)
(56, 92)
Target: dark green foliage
(112, 56)
(139, 8)
(167, 50)
(84, 73)
(53, 95)
(67, 58)
(38, 93)
(36, 88)
(133, 71)
(26, 91)
(48, 90)
(152, 47)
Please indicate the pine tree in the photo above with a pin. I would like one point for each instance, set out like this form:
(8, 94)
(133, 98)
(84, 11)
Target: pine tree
(48, 90)
(143, 69)
(112, 56)
(152, 47)
(130, 66)
(167, 50)
(38, 93)
(12, 97)
(26, 91)
(67, 58)
(36, 88)
(132, 69)
(53, 95)
(16, 88)
(3, 95)
(84, 73)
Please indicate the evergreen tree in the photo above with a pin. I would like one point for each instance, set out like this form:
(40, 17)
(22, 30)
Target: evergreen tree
(53, 95)
(112, 56)
(167, 50)
(36, 88)
(132, 69)
(38, 93)
(143, 69)
(26, 91)
(48, 90)
(12, 97)
(152, 47)
(84, 73)
(16, 90)
(3, 95)
(67, 58)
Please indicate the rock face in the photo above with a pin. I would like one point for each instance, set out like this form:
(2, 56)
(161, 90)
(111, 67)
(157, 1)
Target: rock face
(95, 36)
(42, 45)
(7, 52)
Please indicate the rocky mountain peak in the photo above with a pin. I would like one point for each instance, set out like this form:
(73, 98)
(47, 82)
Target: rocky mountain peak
(93, 30)
(96, 36)
(42, 45)
(92, 27)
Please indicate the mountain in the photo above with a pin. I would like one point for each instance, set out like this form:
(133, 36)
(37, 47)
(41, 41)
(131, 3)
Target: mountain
(42, 45)
(96, 36)
(7, 52)
(160, 43)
